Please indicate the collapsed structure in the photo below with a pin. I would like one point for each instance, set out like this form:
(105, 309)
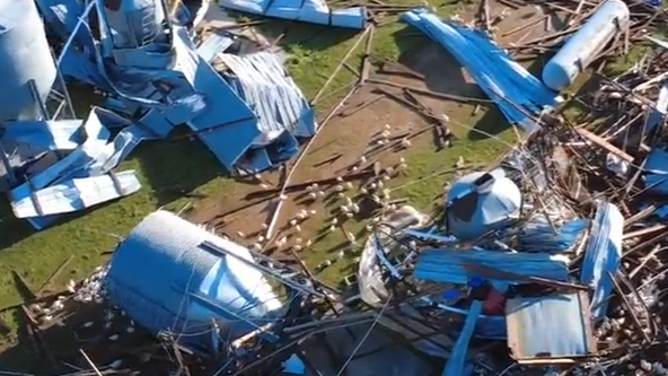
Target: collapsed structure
(530, 255)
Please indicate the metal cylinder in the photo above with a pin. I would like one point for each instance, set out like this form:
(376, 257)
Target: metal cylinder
(25, 57)
(579, 51)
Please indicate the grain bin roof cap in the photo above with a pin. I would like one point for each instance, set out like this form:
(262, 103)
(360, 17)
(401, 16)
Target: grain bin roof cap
(480, 202)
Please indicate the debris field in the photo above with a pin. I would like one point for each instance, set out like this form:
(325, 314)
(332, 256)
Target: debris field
(548, 261)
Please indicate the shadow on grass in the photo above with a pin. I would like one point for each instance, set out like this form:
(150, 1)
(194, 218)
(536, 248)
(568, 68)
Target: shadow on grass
(174, 169)
(307, 36)
(441, 71)
(13, 229)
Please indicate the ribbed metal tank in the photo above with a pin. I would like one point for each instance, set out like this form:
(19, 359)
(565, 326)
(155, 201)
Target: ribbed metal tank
(24, 56)
(163, 277)
(561, 71)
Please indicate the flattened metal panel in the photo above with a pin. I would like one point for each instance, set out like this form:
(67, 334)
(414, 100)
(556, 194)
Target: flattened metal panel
(76, 194)
(602, 255)
(455, 266)
(549, 327)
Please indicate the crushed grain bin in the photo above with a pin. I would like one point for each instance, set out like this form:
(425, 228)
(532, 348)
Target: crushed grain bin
(165, 278)
(581, 48)
(480, 202)
(25, 56)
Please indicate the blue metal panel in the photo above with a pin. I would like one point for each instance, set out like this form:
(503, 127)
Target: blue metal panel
(163, 278)
(47, 135)
(24, 56)
(554, 326)
(457, 266)
(656, 177)
(539, 236)
(312, 11)
(610, 19)
(602, 256)
(502, 79)
(456, 364)
(135, 23)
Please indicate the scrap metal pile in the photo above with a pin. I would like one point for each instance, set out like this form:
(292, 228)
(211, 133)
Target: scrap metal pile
(550, 262)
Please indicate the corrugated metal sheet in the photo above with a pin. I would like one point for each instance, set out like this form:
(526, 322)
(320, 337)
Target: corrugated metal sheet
(76, 194)
(602, 255)
(492, 68)
(213, 45)
(546, 328)
(162, 276)
(458, 266)
(313, 11)
(280, 106)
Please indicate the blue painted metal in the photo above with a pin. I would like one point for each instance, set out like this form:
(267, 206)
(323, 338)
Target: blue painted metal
(213, 45)
(508, 84)
(46, 135)
(456, 364)
(548, 327)
(602, 256)
(657, 117)
(656, 177)
(93, 158)
(480, 202)
(135, 23)
(187, 285)
(539, 236)
(562, 69)
(76, 194)
(457, 266)
(487, 326)
(312, 11)
(25, 56)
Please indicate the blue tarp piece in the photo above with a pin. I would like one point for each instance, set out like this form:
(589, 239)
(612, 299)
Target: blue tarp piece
(602, 256)
(312, 11)
(508, 84)
(656, 177)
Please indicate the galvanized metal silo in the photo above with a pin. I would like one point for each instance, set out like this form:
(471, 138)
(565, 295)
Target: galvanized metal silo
(165, 278)
(24, 57)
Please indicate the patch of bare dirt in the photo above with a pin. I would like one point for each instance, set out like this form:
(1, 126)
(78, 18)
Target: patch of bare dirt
(345, 139)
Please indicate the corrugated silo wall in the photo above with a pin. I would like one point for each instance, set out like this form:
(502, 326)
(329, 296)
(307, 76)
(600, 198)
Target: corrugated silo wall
(24, 56)
(153, 269)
